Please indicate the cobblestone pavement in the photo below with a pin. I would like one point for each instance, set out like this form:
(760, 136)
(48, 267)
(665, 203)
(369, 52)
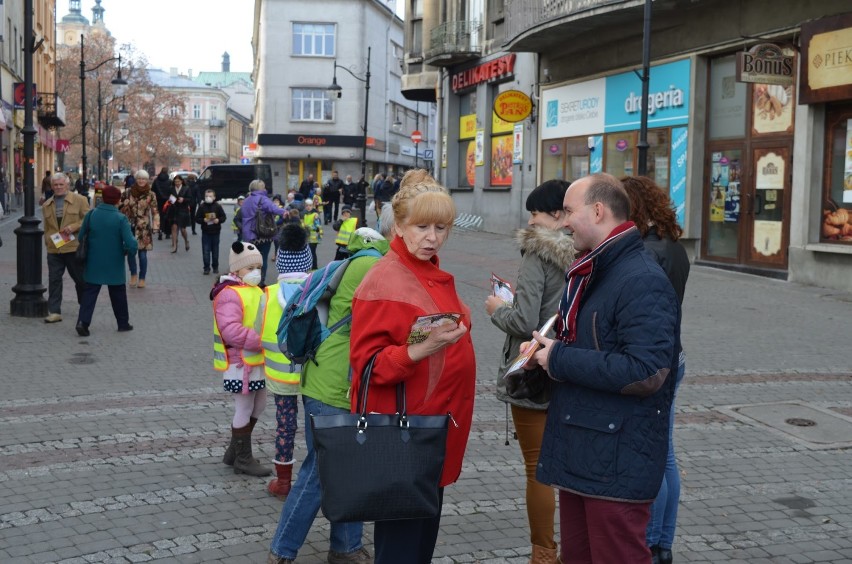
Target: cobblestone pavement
(110, 446)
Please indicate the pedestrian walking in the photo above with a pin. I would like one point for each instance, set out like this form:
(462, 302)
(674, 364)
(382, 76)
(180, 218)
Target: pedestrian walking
(196, 197)
(306, 187)
(312, 223)
(350, 190)
(46, 188)
(612, 364)
(237, 352)
(331, 195)
(439, 372)
(345, 227)
(210, 215)
(162, 187)
(140, 207)
(652, 210)
(546, 255)
(255, 204)
(325, 391)
(180, 211)
(109, 238)
(63, 215)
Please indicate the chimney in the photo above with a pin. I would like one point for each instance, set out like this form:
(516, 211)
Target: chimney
(173, 72)
(189, 73)
(226, 62)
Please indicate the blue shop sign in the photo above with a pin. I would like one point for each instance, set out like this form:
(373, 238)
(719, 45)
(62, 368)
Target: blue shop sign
(668, 98)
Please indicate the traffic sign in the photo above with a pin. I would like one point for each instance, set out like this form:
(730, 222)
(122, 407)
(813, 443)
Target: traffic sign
(245, 160)
(429, 154)
(416, 137)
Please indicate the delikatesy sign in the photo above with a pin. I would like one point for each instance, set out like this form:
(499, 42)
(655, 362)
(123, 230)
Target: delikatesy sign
(575, 109)
(668, 98)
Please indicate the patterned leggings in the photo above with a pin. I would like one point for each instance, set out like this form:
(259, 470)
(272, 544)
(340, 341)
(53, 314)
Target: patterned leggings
(287, 414)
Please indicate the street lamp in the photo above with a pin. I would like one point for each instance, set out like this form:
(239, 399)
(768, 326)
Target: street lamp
(122, 117)
(335, 91)
(119, 89)
(29, 291)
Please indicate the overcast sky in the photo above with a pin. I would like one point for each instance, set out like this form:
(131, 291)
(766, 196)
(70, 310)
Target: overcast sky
(187, 34)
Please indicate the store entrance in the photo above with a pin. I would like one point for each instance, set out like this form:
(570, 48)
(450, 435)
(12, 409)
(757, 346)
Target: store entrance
(748, 197)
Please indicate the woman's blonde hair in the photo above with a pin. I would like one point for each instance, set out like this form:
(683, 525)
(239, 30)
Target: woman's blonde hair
(421, 200)
(141, 174)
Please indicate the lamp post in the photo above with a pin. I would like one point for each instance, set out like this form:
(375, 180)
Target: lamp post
(29, 291)
(119, 88)
(335, 91)
(122, 117)
(646, 79)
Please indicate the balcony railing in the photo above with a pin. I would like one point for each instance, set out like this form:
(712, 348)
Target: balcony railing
(51, 110)
(217, 123)
(524, 15)
(454, 42)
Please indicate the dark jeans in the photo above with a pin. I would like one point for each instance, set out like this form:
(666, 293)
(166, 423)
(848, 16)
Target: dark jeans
(210, 250)
(326, 212)
(313, 247)
(117, 297)
(143, 264)
(192, 207)
(57, 263)
(336, 209)
(408, 541)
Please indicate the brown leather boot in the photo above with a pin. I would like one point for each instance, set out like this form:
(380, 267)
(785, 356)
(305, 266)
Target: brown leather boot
(280, 486)
(245, 462)
(231, 451)
(541, 555)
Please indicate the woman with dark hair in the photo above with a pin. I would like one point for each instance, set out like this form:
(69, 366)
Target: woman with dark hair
(652, 211)
(180, 210)
(546, 253)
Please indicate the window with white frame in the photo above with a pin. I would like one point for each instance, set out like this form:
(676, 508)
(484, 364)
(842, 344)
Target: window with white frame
(174, 111)
(311, 104)
(196, 111)
(214, 112)
(214, 140)
(313, 39)
(196, 138)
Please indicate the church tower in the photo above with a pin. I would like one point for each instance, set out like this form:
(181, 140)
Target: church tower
(70, 27)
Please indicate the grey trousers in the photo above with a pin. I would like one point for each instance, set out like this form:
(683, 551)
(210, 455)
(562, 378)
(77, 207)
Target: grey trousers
(57, 263)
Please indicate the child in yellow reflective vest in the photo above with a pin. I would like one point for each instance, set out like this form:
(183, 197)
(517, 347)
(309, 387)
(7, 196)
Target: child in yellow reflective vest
(313, 224)
(237, 352)
(292, 261)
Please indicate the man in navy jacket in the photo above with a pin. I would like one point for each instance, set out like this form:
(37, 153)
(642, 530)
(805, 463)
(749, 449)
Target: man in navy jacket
(613, 364)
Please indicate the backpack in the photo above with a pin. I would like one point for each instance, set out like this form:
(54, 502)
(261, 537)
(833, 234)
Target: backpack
(265, 227)
(302, 328)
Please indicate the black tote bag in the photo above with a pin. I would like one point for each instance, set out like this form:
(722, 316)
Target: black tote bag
(379, 467)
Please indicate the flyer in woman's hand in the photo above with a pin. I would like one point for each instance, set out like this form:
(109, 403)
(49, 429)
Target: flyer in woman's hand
(502, 289)
(526, 354)
(424, 324)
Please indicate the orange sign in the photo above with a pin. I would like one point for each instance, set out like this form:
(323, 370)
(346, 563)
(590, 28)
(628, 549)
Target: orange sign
(512, 106)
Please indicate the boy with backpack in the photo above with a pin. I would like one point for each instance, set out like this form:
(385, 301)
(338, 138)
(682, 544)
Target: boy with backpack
(325, 390)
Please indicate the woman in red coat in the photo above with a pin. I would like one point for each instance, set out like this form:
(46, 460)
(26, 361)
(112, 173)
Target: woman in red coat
(440, 372)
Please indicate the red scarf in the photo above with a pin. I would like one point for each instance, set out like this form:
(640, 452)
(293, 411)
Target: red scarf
(578, 278)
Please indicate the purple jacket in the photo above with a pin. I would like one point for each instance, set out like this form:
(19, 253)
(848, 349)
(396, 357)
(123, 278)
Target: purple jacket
(257, 200)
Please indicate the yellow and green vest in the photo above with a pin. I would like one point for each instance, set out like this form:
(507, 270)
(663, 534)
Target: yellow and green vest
(347, 228)
(250, 298)
(282, 376)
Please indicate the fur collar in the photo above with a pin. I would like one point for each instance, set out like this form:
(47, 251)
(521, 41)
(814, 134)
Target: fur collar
(552, 246)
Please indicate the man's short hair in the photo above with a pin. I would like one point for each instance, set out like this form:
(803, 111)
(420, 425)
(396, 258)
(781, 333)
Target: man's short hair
(607, 189)
(59, 176)
(210, 191)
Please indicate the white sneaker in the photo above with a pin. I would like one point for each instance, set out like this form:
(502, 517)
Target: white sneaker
(52, 318)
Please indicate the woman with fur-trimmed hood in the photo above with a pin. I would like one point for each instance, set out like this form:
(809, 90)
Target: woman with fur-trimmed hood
(547, 253)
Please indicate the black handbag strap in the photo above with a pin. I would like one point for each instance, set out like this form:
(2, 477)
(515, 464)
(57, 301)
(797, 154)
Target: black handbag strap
(361, 407)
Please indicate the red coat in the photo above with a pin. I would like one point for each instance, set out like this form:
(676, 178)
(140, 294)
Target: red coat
(397, 290)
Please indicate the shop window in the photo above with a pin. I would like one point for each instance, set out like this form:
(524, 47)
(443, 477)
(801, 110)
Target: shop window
(553, 159)
(727, 117)
(658, 157)
(836, 208)
(467, 140)
(620, 153)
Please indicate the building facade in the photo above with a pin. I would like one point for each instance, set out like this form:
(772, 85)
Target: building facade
(49, 108)
(301, 128)
(204, 117)
(454, 56)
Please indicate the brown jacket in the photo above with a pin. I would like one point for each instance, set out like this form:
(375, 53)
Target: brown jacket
(73, 211)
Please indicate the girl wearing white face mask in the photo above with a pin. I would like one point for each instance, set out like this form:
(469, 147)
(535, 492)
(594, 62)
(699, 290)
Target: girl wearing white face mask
(237, 351)
(211, 217)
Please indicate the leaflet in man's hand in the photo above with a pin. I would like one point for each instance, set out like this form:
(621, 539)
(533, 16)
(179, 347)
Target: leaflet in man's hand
(210, 218)
(60, 239)
(502, 289)
(521, 360)
(424, 324)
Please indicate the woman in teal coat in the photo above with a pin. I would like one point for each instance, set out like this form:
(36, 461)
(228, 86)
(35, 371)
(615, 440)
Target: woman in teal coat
(109, 239)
